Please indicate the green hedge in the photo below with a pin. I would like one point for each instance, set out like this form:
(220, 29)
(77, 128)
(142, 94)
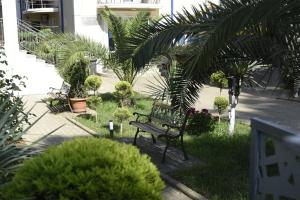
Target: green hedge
(87, 168)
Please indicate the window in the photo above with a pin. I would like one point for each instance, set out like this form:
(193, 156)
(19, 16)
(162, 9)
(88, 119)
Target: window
(111, 43)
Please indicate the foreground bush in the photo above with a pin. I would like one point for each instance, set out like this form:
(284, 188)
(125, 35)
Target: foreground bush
(87, 168)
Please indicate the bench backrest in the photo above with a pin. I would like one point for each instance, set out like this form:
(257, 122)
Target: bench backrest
(166, 114)
(65, 88)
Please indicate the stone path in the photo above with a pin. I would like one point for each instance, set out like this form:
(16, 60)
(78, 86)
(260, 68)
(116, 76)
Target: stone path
(174, 157)
(50, 122)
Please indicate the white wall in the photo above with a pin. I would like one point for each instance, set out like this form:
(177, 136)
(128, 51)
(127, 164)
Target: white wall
(86, 21)
(81, 17)
(9, 12)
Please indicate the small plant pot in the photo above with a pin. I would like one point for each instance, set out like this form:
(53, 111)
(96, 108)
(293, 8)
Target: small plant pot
(78, 105)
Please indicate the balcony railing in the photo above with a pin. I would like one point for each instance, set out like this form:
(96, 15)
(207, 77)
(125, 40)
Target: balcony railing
(40, 4)
(101, 2)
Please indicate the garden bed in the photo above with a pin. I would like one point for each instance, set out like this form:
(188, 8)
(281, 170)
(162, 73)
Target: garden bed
(106, 113)
(225, 176)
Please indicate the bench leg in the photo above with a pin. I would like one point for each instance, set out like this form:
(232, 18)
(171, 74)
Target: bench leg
(164, 155)
(183, 149)
(135, 137)
(153, 139)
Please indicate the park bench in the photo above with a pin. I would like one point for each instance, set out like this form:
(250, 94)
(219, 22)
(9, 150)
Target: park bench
(163, 122)
(62, 95)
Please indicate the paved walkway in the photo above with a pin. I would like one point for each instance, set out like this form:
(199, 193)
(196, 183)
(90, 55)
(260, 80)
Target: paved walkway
(50, 122)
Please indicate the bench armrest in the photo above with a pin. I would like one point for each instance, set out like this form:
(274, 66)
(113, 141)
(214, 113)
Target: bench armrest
(169, 126)
(52, 88)
(141, 115)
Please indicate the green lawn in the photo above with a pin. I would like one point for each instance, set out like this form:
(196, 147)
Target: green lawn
(106, 111)
(226, 173)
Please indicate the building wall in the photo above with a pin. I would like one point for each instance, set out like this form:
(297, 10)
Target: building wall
(68, 16)
(82, 18)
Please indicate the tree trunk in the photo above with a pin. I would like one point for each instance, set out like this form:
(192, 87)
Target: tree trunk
(121, 128)
(233, 103)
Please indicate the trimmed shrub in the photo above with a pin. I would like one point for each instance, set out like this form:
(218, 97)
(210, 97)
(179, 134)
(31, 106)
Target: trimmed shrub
(94, 101)
(122, 114)
(93, 82)
(87, 168)
(123, 91)
(219, 79)
(200, 122)
(221, 103)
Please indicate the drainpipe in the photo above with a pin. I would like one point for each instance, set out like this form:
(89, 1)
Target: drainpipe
(62, 22)
(172, 8)
(21, 9)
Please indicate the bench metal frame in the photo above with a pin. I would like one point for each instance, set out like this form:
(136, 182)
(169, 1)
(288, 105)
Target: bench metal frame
(60, 94)
(169, 131)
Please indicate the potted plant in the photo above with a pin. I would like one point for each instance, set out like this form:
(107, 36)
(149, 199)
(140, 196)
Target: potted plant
(75, 73)
(78, 100)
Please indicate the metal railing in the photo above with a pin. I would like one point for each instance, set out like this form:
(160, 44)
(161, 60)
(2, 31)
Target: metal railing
(29, 36)
(54, 29)
(100, 2)
(40, 4)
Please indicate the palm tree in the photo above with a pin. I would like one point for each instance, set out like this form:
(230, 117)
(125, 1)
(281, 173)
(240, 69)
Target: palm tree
(234, 31)
(74, 56)
(172, 86)
(121, 30)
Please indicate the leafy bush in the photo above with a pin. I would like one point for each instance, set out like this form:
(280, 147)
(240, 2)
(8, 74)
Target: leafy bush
(200, 122)
(219, 79)
(8, 86)
(87, 168)
(221, 103)
(123, 91)
(12, 119)
(93, 82)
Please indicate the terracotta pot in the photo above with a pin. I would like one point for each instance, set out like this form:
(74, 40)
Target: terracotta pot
(78, 105)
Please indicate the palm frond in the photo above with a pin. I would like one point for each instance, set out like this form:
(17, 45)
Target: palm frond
(216, 25)
(117, 26)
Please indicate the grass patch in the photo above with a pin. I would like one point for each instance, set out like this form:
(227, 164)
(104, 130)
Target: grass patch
(226, 173)
(105, 113)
